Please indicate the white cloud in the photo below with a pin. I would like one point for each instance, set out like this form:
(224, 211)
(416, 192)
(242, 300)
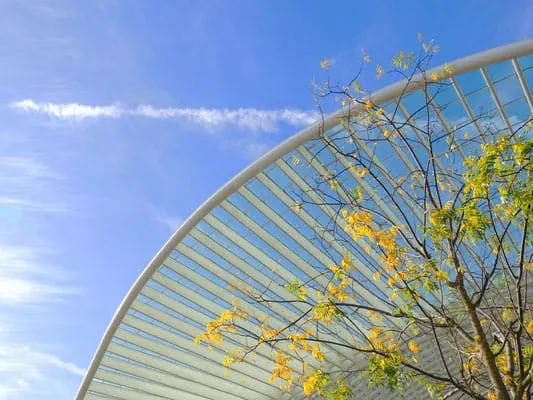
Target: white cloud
(212, 119)
(32, 286)
(30, 185)
(29, 283)
(170, 221)
(26, 279)
(55, 361)
(252, 149)
(69, 111)
(18, 290)
(25, 372)
(27, 167)
(17, 204)
(17, 359)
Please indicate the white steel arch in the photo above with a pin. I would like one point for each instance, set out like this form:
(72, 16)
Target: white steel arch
(147, 352)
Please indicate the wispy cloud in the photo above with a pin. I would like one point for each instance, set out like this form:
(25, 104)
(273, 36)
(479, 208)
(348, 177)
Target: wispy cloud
(251, 147)
(212, 119)
(17, 360)
(24, 280)
(32, 285)
(16, 290)
(33, 290)
(55, 361)
(26, 372)
(27, 186)
(28, 284)
(27, 167)
(172, 222)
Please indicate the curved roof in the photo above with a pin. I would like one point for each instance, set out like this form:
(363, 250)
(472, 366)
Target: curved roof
(248, 232)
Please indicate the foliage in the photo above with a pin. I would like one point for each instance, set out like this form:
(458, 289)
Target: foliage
(449, 241)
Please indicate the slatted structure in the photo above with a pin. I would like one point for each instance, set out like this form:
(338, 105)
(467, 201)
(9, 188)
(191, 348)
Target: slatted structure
(250, 233)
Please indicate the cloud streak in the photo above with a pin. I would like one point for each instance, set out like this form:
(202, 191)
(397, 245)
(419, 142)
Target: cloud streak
(29, 185)
(28, 285)
(212, 119)
(24, 280)
(17, 359)
(26, 373)
(170, 221)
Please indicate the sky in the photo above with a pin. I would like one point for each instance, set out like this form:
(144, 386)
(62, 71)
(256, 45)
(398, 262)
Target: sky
(118, 118)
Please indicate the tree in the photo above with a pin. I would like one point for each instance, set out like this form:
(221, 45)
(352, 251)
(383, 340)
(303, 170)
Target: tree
(441, 216)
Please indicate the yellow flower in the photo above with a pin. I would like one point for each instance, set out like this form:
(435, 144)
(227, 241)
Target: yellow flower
(529, 327)
(337, 292)
(297, 207)
(316, 353)
(295, 160)
(377, 275)
(374, 332)
(413, 346)
(313, 381)
(346, 263)
(361, 172)
(325, 64)
(441, 276)
(228, 360)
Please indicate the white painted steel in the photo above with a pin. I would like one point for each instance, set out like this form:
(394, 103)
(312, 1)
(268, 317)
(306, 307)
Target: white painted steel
(166, 365)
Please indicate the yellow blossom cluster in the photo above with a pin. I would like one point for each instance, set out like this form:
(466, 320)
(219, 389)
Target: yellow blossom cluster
(299, 341)
(359, 224)
(224, 323)
(282, 369)
(338, 292)
(340, 275)
(316, 380)
(325, 312)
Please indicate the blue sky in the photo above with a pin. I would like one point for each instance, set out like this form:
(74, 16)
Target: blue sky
(119, 118)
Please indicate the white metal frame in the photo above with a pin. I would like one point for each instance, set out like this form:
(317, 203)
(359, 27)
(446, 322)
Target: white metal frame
(476, 61)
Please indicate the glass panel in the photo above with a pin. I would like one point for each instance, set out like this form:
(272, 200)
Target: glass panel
(470, 82)
(508, 89)
(517, 111)
(500, 71)
(526, 61)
